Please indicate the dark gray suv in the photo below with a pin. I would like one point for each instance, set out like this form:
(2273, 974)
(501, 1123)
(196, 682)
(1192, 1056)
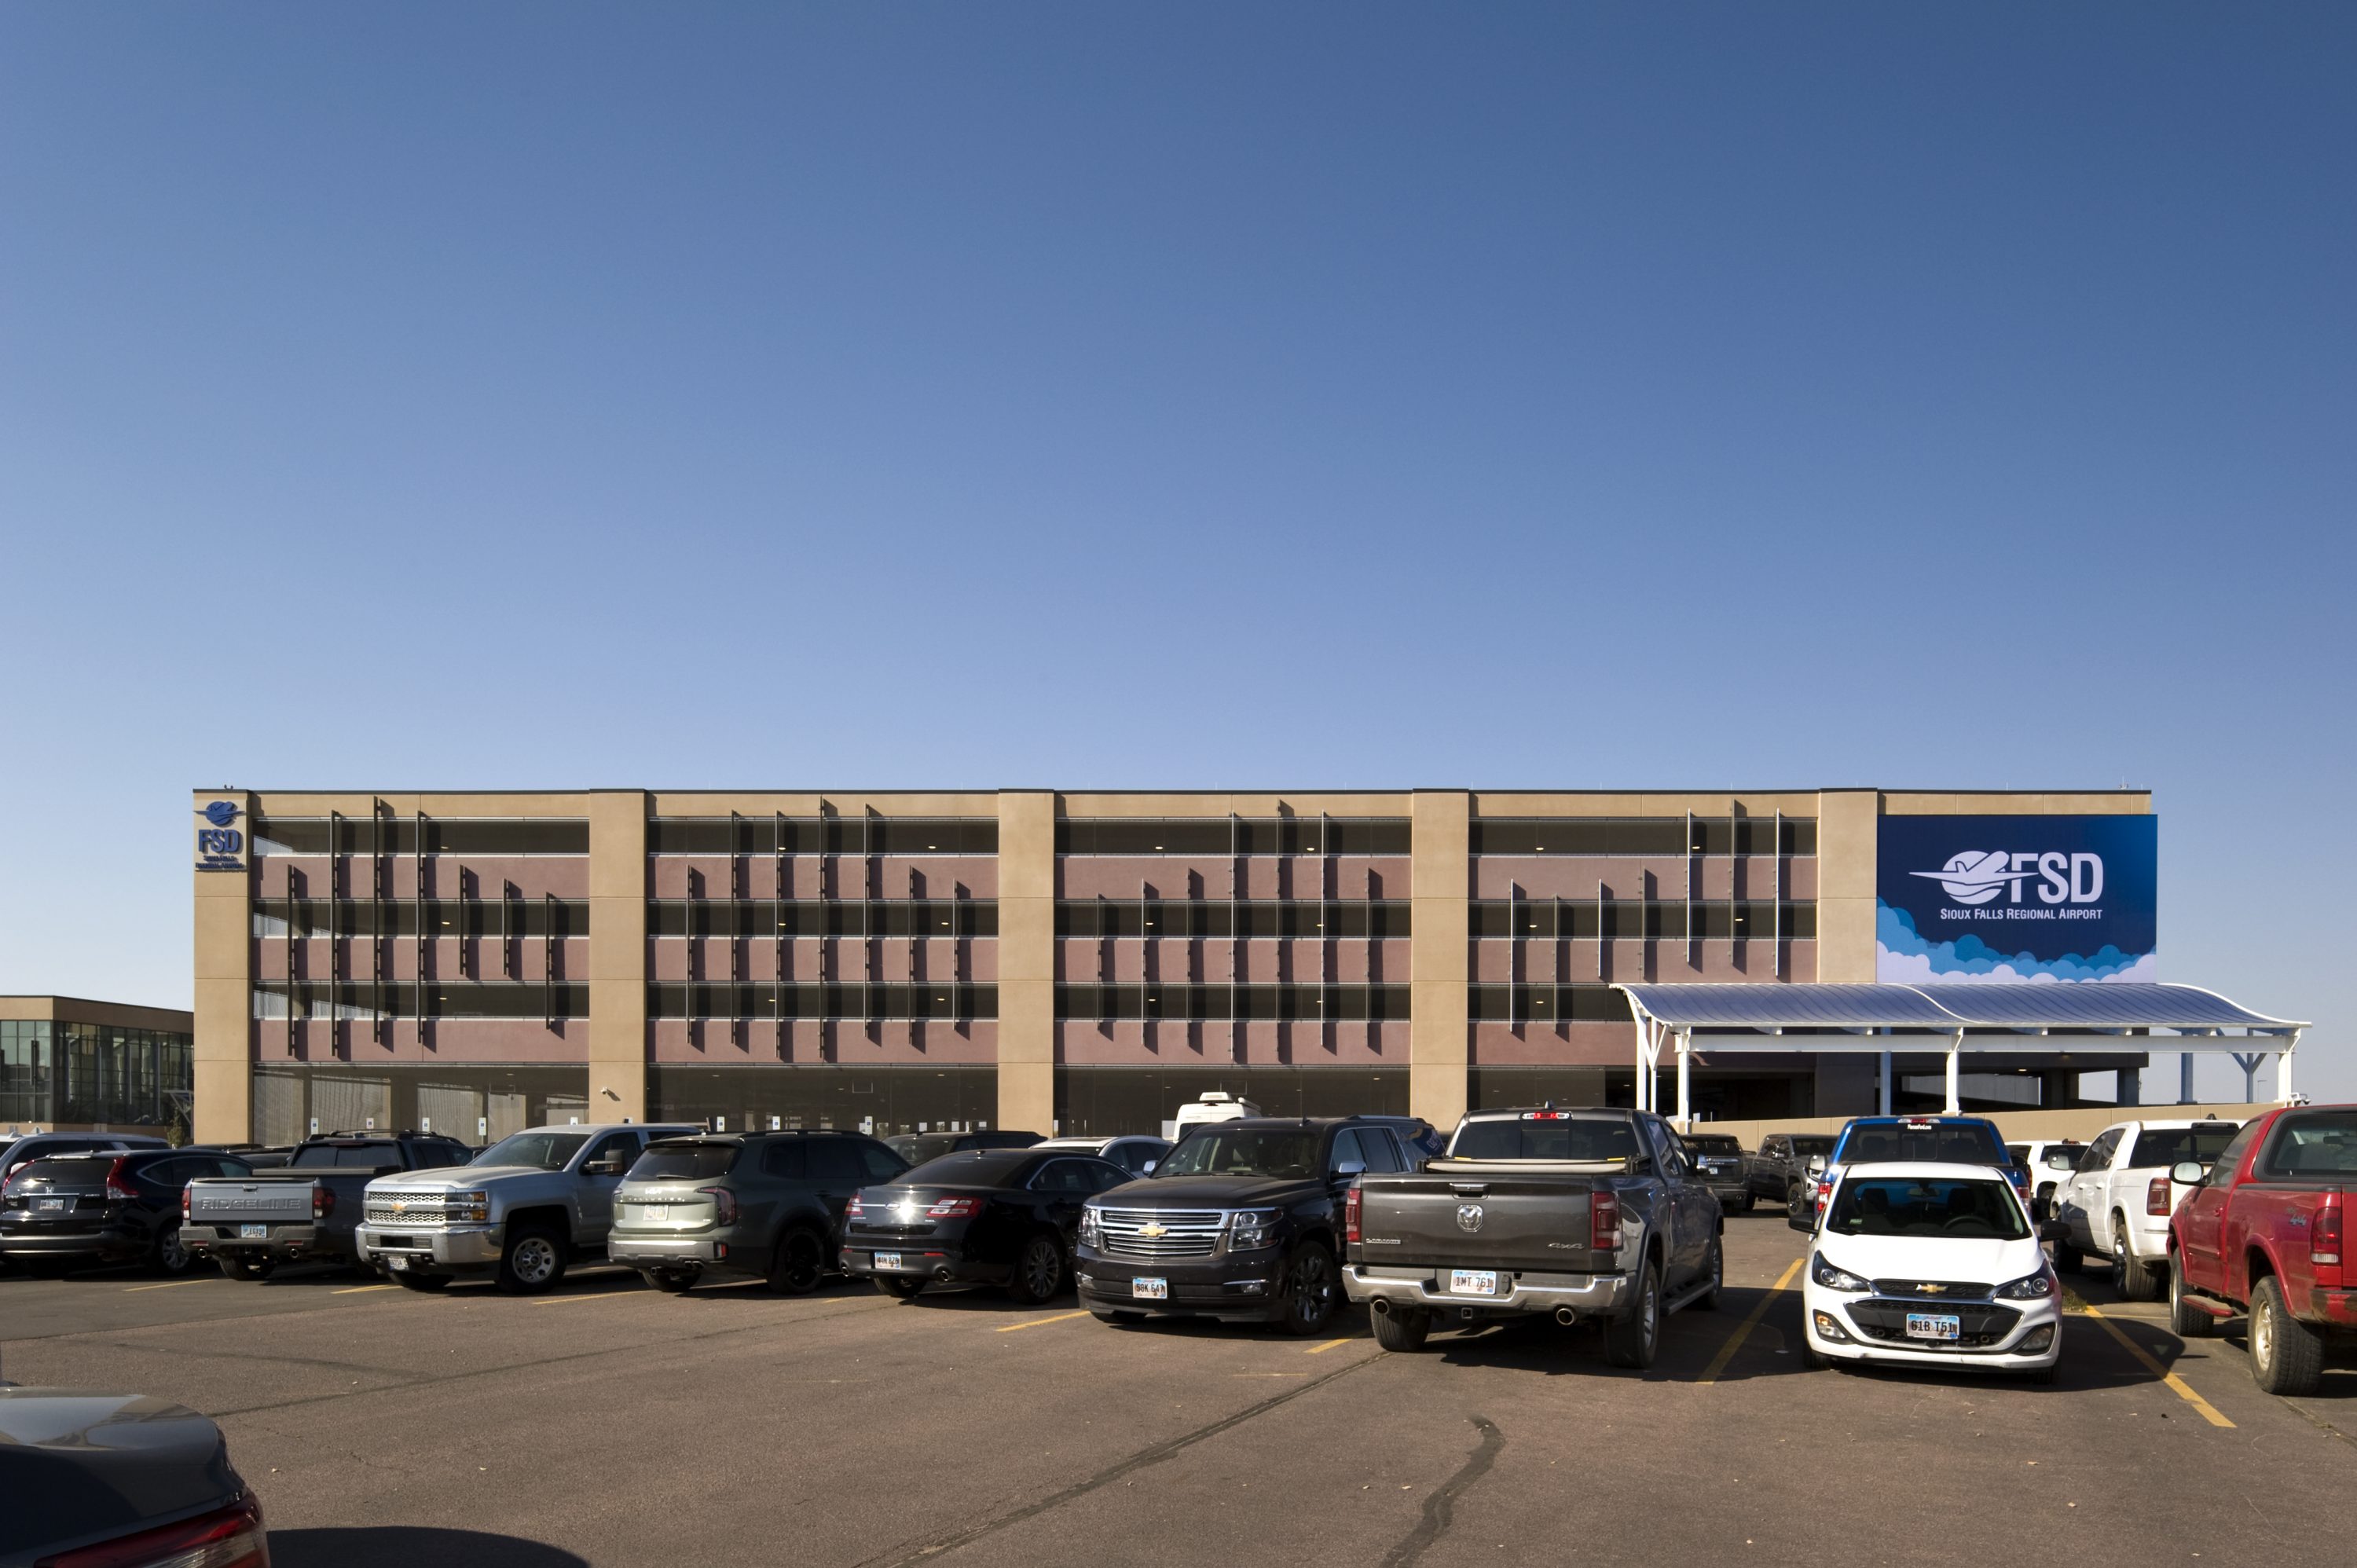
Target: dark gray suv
(767, 1205)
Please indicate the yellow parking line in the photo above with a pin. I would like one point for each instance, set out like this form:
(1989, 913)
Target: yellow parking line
(1037, 1322)
(356, 1290)
(1743, 1329)
(1321, 1349)
(174, 1285)
(575, 1300)
(2176, 1385)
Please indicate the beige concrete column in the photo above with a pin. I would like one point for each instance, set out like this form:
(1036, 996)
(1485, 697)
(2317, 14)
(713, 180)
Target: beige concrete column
(222, 1054)
(1440, 882)
(617, 955)
(1027, 960)
(1847, 823)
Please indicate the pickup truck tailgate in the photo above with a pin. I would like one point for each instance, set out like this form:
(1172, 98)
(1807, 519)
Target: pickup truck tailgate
(1535, 1222)
(232, 1200)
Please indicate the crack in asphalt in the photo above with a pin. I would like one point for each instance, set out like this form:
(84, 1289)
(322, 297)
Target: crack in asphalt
(933, 1546)
(1440, 1508)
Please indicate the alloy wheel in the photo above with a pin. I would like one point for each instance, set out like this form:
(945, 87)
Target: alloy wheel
(535, 1260)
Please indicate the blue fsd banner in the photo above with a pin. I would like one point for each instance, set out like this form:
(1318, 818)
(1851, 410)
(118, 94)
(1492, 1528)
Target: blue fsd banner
(1999, 898)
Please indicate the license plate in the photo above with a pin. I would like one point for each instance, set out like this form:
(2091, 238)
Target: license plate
(1149, 1290)
(1472, 1281)
(888, 1260)
(1934, 1326)
(49, 1204)
(396, 1262)
(254, 1232)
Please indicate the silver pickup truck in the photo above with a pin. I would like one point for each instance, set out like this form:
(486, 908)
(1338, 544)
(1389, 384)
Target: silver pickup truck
(304, 1211)
(529, 1205)
(1583, 1214)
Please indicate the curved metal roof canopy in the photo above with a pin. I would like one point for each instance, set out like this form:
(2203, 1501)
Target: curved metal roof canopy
(2101, 1005)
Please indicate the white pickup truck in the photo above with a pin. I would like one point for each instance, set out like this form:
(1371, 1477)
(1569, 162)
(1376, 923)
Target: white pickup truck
(2118, 1203)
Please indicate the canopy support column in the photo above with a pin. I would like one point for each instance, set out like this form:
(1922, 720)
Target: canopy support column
(1956, 1055)
(2185, 1078)
(1686, 1081)
(2283, 1070)
(1882, 1085)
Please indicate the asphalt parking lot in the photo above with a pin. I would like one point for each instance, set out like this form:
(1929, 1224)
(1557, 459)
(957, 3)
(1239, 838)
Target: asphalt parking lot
(608, 1424)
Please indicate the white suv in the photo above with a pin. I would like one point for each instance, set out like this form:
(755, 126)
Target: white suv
(2050, 1162)
(2119, 1202)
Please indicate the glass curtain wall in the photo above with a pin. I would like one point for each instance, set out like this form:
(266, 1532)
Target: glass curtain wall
(475, 1105)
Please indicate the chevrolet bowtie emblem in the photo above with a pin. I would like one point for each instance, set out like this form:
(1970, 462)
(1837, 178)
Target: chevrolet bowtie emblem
(1151, 1231)
(1933, 1288)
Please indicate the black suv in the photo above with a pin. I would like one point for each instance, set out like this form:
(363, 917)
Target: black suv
(110, 1206)
(1242, 1221)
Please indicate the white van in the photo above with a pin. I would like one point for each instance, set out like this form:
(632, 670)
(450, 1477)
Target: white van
(1212, 1106)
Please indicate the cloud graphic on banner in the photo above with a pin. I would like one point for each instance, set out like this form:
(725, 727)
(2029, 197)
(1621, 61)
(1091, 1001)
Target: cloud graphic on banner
(1904, 955)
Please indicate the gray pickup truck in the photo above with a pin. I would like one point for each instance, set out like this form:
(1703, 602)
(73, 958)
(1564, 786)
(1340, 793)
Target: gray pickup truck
(1779, 1170)
(527, 1208)
(308, 1210)
(1585, 1214)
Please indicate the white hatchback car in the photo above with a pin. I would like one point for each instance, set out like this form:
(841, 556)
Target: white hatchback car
(1930, 1265)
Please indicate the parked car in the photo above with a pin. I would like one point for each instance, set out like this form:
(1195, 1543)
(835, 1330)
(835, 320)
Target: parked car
(981, 1217)
(1241, 1222)
(41, 1145)
(916, 1148)
(1417, 1137)
(1923, 1264)
(1779, 1172)
(119, 1480)
(1135, 1153)
(307, 1210)
(1943, 1140)
(1719, 1159)
(765, 1205)
(109, 1205)
(2118, 1203)
(1585, 1214)
(2050, 1162)
(523, 1211)
(2264, 1231)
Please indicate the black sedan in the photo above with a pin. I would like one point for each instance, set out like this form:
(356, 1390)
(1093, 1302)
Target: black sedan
(117, 1205)
(993, 1217)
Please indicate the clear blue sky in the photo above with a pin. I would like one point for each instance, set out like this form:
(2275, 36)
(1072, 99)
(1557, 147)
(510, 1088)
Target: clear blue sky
(1309, 395)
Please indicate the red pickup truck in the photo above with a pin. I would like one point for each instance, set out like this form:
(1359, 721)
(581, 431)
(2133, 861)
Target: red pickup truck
(2263, 1234)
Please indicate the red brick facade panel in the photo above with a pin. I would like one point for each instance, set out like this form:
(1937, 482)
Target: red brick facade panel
(1264, 876)
(897, 1042)
(898, 959)
(839, 877)
(1132, 1042)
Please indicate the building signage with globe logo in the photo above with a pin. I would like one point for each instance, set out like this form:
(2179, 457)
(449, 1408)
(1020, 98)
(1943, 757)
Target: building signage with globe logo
(221, 841)
(2012, 899)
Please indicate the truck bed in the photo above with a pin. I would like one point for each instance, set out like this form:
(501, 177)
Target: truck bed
(1512, 1215)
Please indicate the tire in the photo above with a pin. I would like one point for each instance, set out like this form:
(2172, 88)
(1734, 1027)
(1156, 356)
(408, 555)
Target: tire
(2286, 1354)
(1743, 1203)
(1716, 1272)
(410, 1279)
(899, 1289)
(170, 1255)
(1039, 1270)
(798, 1264)
(2045, 1209)
(672, 1281)
(2043, 1377)
(1812, 1359)
(1311, 1291)
(532, 1263)
(246, 1268)
(2135, 1277)
(1402, 1331)
(1635, 1340)
(2186, 1320)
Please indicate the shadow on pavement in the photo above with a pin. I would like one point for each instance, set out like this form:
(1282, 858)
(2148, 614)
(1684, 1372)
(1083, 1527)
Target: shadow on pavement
(400, 1546)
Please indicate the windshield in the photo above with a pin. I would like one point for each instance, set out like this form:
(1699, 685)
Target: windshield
(685, 1162)
(1714, 1146)
(2314, 1144)
(539, 1151)
(1965, 1208)
(1954, 1143)
(1217, 1150)
(365, 1156)
(1570, 1138)
(1804, 1147)
(2167, 1145)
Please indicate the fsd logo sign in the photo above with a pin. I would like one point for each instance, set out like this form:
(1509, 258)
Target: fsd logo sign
(220, 842)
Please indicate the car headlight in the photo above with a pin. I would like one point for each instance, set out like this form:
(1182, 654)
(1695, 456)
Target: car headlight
(1091, 1229)
(1250, 1228)
(2038, 1286)
(1831, 1278)
(474, 1207)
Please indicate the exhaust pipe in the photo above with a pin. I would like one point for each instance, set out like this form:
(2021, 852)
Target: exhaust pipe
(1565, 1317)
(941, 1276)
(1380, 1307)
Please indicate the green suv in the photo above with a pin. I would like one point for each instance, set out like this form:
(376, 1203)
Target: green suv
(764, 1205)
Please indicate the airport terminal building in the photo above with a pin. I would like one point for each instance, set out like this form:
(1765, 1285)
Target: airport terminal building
(1087, 961)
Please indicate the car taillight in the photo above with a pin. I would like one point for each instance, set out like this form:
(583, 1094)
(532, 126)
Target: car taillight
(187, 1204)
(857, 1208)
(723, 1204)
(2324, 1235)
(1604, 1222)
(1350, 1216)
(953, 1208)
(2156, 1197)
(232, 1537)
(118, 1187)
(1824, 1192)
(323, 1202)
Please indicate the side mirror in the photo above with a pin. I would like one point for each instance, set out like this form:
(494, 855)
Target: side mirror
(2053, 1230)
(1149, 1168)
(2188, 1172)
(1816, 1164)
(2061, 1162)
(1793, 1217)
(1349, 1168)
(602, 1167)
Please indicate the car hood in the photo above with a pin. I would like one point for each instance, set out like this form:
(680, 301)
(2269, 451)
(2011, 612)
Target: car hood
(456, 1178)
(1209, 1192)
(1974, 1260)
(84, 1464)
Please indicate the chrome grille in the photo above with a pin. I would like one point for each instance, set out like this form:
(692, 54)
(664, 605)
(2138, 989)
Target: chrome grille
(1934, 1290)
(1179, 1232)
(406, 1211)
